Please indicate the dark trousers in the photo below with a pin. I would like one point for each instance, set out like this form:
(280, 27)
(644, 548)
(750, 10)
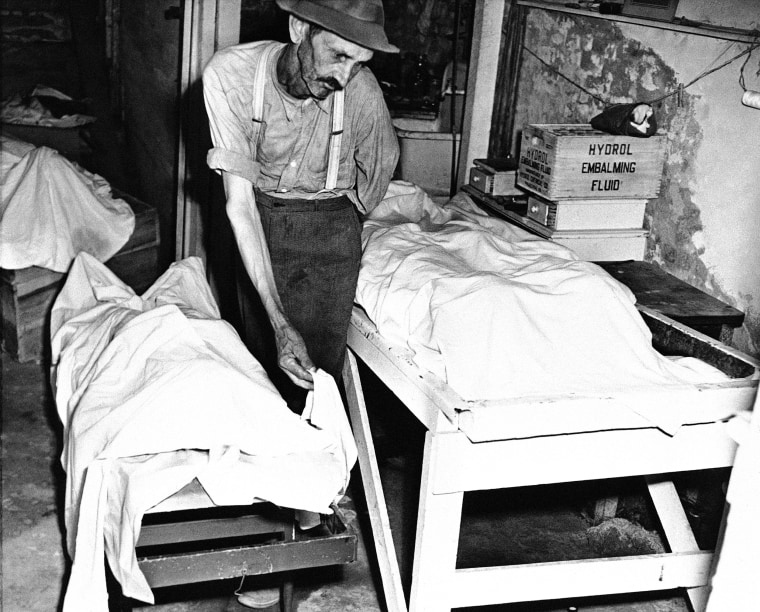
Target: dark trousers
(315, 247)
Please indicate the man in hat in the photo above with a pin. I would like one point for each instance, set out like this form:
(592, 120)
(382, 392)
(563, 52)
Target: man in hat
(305, 146)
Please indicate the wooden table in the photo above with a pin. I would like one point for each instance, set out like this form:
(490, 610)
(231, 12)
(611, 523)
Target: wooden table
(454, 464)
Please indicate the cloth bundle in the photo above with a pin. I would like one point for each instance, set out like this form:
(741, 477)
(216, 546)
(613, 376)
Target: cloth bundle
(635, 119)
(155, 391)
(46, 107)
(52, 209)
(498, 313)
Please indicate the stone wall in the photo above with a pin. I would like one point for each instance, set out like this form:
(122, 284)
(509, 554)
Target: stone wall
(705, 223)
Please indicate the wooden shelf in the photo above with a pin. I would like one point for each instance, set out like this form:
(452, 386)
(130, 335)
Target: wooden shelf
(702, 30)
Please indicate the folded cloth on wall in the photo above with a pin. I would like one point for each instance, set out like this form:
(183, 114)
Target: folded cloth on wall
(45, 107)
(635, 119)
(51, 209)
(156, 390)
(498, 313)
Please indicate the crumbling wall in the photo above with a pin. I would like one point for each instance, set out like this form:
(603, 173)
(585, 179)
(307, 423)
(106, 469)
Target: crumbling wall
(149, 74)
(704, 225)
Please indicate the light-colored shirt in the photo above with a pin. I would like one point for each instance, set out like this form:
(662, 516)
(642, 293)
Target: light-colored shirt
(292, 152)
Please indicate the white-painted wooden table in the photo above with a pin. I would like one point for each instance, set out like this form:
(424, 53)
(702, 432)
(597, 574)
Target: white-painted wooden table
(453, 464)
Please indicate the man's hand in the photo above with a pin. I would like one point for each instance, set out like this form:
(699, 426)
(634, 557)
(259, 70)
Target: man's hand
(292, 356)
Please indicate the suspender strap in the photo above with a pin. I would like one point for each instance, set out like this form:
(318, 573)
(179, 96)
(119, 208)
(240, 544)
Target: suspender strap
(258, 91)
(336, 136)
(336, 132)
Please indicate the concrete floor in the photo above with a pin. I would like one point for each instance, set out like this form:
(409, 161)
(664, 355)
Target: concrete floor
(525, 525)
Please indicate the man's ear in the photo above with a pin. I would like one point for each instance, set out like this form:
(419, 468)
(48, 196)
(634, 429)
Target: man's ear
(298, 29)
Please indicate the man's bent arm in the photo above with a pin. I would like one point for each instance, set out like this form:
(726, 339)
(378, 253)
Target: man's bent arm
(244, 217)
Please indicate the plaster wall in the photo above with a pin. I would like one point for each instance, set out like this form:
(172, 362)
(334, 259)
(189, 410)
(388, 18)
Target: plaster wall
(732, 13)
(704, 225)
(149, 77)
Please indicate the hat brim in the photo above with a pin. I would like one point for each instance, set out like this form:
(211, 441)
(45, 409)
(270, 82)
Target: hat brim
(363, 33)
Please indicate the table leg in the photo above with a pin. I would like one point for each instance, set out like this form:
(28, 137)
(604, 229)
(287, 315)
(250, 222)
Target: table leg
(605, 509)
(676, 528)
(437, 541)
(373, 488)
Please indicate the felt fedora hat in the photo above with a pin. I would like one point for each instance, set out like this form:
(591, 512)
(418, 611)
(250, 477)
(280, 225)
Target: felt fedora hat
(360, 21)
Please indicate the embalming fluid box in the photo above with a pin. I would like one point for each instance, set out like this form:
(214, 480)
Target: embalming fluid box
(575, 161)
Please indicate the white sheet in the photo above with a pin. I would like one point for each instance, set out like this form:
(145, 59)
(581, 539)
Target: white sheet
(155, 391)
(737, 565)
(51, 209)
(498, 313)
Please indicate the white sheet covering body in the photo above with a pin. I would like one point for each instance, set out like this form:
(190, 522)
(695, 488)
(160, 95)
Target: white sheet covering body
(51, 209)
(157, 390)
(499, 313)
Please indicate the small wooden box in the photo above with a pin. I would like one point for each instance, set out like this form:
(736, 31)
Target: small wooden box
(664, 10)
(27, 295)
(604, 245)
(575, 161)
(495, 177)
(587, 214)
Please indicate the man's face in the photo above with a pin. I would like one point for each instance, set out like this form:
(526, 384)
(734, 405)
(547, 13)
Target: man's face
(329, 62)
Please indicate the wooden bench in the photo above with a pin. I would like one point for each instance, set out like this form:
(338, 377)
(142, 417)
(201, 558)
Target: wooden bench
(181, 545)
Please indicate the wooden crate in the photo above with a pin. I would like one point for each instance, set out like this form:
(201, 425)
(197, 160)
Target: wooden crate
(569, 161)
(495, 176)
(604, 244)
(587, 214)
(27, 295)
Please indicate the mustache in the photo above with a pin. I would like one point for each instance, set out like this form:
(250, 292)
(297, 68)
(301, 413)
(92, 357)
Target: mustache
(331, 82)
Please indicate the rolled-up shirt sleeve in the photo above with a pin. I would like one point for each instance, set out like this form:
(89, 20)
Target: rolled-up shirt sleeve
(219, 159)
(376, 152)
(226, 108)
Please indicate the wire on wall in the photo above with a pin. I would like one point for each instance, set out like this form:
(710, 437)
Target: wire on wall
(749, 98)
(676, 92)
(567, 78)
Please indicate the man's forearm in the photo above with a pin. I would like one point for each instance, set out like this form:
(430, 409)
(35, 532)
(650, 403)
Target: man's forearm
(292, 354)
(249, 235)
